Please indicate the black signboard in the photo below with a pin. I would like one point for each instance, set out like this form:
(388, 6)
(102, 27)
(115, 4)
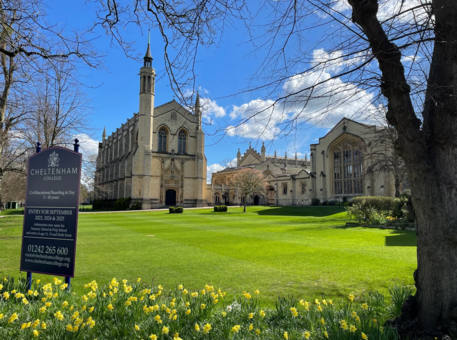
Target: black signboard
(51, 212)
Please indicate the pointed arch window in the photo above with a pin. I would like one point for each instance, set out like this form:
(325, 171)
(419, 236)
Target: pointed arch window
(163, 140)
(348, 167)
(182, 140)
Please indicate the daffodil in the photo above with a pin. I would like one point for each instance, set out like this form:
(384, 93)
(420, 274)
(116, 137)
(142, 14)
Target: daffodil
(207, 328)
(236, 329)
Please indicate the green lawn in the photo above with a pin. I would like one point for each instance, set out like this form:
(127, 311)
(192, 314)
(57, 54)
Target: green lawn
(300, 251)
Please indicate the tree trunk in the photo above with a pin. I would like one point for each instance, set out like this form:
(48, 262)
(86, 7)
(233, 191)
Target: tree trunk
(429, 150)
(397, 187)
(244, 205)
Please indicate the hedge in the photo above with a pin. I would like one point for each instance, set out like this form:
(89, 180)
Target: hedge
(315, 201)
(136, 206)
(220, 208)
(103, 204)
(175, 210)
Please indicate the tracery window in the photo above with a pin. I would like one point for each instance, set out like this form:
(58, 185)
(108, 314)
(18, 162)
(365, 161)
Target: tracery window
(182, 138)
(348, 167)
(162, 139)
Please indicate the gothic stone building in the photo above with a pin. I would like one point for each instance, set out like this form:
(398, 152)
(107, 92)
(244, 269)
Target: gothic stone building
(336, 169)
(157, 157)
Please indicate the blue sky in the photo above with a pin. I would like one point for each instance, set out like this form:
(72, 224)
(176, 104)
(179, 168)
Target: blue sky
(221, 71)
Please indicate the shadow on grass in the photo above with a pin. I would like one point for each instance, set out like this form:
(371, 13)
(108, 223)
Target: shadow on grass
(301, 211)
(19, 211)
(401, 238)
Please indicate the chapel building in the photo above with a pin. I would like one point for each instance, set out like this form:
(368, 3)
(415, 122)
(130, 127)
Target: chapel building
(336, 170)
(158, 156)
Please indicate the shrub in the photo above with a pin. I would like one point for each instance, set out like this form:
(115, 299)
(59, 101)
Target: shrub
(221, 208)
(381, 204)
(97, 205)
(315, 201)
(179, 210)
(347, 204)
(117, 204)
(362, 212)
(124, 205)
(136, 206)
(171, 210)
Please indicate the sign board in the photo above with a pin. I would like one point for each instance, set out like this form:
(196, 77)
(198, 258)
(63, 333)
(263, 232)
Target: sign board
(51, 212)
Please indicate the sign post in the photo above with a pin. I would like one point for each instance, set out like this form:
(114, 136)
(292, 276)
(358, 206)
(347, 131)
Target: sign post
(51, 213)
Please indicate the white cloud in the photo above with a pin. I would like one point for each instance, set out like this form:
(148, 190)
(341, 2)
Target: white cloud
(87, 146)
(211, 109)
(313, 97)
(89, 149)
(410, 58)
(262, 117)
(210, 169)
(387, 9)
(335, 62)
(327, 103)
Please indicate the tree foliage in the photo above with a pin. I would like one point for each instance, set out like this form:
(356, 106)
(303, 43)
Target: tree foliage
(248, 182)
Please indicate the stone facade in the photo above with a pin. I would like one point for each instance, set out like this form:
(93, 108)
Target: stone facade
(336, 169)
(158, 156)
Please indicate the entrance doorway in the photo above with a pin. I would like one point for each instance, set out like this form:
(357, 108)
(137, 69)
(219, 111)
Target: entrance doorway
(170, 197)
(256, 200)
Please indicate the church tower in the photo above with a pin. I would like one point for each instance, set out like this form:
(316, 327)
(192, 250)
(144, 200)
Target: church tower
(141, 175)
(200, 156)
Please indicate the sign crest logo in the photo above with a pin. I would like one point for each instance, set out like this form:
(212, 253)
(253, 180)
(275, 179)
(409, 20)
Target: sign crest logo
(53, 160)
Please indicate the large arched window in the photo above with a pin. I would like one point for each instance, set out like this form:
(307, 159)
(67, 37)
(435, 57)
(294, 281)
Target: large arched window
(182, 139)
(347, 166)
(163, 139)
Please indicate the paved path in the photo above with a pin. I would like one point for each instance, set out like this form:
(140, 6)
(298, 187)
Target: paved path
(132, 211)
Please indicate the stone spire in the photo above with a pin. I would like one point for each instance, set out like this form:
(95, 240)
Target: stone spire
(262, 153)
(275, 156)
(104, 134)
(198, 111)
(238, 157)
(296, 159)
(148, 57)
